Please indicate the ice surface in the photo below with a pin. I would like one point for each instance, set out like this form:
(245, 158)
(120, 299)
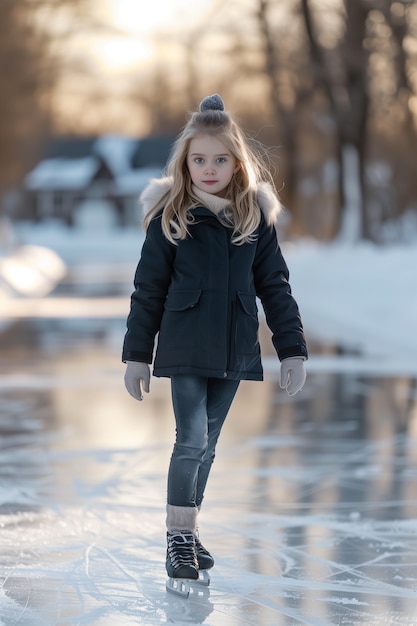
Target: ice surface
(310, 513)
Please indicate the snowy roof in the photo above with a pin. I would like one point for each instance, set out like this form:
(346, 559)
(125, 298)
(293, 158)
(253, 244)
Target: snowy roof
(62, 173)
(116, 151)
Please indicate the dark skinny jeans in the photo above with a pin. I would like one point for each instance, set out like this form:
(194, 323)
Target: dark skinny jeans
(200, 407)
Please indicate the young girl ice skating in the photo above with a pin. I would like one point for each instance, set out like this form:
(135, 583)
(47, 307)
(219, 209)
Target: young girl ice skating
(210, 249)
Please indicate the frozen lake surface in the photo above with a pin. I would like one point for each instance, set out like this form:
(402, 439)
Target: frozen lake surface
(311, 509)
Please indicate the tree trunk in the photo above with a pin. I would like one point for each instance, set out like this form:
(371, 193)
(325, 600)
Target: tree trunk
(347, 95)
(284, 119)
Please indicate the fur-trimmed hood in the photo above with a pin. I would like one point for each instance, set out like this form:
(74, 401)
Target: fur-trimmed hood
(267, 199)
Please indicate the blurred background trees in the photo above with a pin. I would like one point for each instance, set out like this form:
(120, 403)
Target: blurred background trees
(21, 74)
(328, 85)
(32, 57)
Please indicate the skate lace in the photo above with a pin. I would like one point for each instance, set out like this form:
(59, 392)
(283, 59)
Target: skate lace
(181, 549)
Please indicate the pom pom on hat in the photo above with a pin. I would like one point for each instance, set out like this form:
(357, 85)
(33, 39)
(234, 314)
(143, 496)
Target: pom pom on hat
(211, 103)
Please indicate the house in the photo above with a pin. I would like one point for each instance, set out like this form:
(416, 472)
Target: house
(111, 170)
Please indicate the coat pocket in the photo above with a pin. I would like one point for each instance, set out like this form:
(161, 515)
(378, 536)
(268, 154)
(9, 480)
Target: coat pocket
(247, 324)
(182, 299)
(180, 326)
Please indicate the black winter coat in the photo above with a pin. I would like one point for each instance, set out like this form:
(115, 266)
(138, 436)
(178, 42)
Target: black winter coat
(201, 297)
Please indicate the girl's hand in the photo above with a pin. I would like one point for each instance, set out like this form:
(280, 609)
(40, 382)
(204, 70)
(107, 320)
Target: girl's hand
(293, 374)
(137, 379)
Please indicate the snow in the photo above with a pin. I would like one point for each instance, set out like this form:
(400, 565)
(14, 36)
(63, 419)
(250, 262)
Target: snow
(135, 180)
(116, 151)
(62, 173)
(361, 296)
(31, 271)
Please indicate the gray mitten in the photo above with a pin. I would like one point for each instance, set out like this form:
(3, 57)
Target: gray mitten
(293, 374)
(137, 379)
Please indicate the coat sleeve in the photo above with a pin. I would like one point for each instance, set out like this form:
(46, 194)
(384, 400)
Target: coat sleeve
(152, 279)
(272, 287)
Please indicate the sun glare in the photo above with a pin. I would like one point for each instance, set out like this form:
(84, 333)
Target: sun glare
(136, 25)
(136, 17)
(118, 54)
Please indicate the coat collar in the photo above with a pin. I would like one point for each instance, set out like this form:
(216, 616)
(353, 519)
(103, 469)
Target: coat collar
(268, 201)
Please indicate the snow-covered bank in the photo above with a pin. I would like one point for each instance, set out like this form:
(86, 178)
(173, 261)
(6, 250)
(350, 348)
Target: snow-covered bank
(360, 296)
(79, 246)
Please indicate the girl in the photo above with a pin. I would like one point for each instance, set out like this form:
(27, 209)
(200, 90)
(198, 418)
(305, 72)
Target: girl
(210, 249)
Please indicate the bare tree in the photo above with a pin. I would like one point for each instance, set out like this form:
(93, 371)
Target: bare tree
(30, 63)
(344, 75)
(284, 117)
(343, 79)
(19, 71)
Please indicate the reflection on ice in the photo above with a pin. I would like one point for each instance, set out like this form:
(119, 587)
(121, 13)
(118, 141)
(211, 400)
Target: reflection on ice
(310, 512)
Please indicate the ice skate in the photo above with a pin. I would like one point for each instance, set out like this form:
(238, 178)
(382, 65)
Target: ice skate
(204, 558)
(181, 562)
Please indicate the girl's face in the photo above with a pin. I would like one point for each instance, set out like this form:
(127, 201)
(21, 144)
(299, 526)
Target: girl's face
(211, 164)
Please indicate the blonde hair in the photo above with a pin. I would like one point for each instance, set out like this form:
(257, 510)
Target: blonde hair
(176, 203)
